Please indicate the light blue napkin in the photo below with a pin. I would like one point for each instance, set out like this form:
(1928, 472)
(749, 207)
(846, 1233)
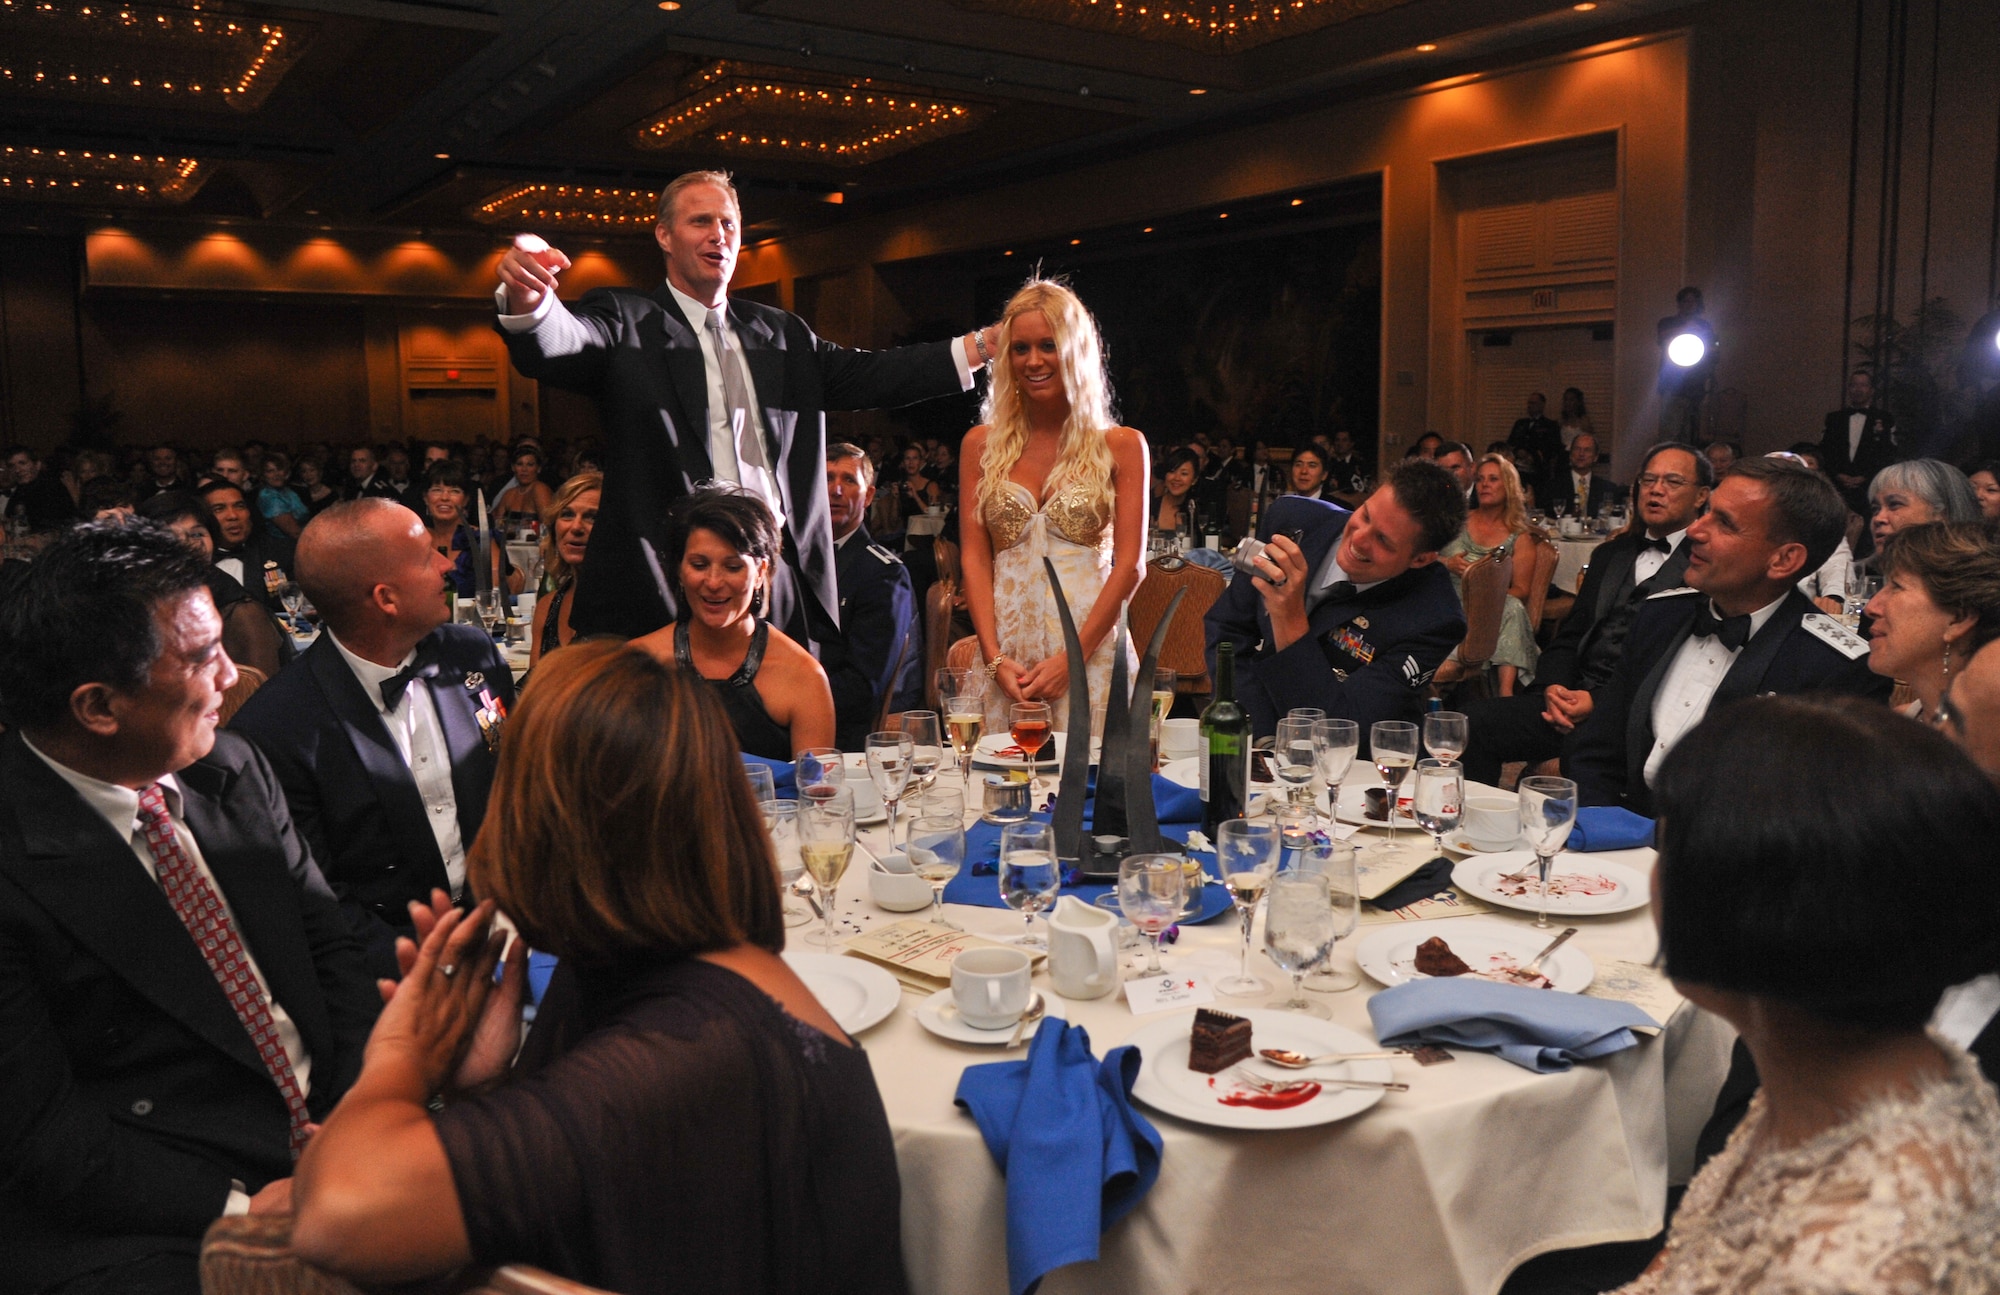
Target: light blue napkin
(1609, 827)
(1538, 1029)
(784, 780)
(1076, 1155)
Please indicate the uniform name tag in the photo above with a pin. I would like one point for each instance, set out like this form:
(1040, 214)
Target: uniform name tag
(1831, 632)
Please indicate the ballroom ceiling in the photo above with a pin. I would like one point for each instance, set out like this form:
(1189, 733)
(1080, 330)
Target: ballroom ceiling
(569, 114)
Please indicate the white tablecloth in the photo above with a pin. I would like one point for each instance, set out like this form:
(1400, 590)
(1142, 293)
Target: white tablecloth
(1443, 1189)
(1572, 556)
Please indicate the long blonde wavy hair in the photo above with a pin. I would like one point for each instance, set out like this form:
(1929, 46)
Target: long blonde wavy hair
(1083, 456)
(1514, 512)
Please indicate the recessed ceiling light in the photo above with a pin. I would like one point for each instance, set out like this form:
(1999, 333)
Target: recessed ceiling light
(1427, 48)
(670, 5)
(1197, 90)
(1223, 216)
(1147, 230)
(442, 157)
(1298, 202)
(1008, 252)
(1585, 7)
(1075, 242)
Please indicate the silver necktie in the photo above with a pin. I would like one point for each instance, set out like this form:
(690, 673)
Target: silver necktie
(737, 403)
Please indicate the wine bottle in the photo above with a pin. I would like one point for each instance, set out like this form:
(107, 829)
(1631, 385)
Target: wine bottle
(1225, 736)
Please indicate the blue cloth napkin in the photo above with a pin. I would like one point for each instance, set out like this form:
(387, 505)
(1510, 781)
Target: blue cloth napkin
(1076, 1155)
(1609, 827)
(1213, 559)
(1538, 1029)
(978, 881)
(783, 777)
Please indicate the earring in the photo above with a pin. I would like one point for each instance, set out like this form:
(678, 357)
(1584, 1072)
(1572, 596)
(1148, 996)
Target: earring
(1947, 659)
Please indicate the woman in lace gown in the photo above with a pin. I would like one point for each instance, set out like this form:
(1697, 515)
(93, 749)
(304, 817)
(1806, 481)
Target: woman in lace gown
(1869, 1161)
(1049, 474)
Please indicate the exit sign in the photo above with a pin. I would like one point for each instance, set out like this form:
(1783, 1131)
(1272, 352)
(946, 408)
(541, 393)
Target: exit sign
(1544, 299)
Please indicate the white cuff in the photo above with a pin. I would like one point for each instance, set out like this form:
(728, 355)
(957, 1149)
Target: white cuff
(959, 362)
(238, 1202)
(524, 323)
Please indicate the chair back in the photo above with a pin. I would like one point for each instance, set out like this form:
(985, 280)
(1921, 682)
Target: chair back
(938, 602)
(964, 654)
(1545, 555)
(948, 567)
(1236, 511)
(248, 680)
(1484, 591)
(251, 1254)
(1184, 651)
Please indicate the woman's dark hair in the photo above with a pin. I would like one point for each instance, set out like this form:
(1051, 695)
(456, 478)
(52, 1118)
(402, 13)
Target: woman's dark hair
(449, 473)
(1177, 458)
(101, 493)
(171, 507)
(84, 612)
(1858, 897)
(622, 828)
(742, 520)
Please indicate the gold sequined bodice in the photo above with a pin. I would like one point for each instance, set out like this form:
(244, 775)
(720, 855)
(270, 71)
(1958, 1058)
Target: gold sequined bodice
(1072, 513)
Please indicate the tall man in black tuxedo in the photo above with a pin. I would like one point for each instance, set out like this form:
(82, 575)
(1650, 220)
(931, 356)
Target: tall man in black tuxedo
(385, 733)
(692, 386)
(1742, 628)
(1537, 439)
(1651, 557)
(180, 998)
(879, 649)
(1859, 440)
(1350, 612)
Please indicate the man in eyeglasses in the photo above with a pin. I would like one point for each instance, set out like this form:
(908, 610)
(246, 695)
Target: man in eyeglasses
(1648, 558)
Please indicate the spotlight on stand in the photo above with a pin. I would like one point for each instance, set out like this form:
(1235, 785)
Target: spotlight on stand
(1982, 346)
(1687, 349)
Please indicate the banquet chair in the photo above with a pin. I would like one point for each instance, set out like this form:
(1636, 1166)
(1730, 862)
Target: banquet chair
(248, 680)
(1546, 556)
(1185, 650)
(251, 1254)
(1484, 591)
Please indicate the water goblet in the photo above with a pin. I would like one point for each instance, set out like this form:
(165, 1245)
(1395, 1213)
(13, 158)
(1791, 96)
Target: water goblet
(1439, 798)
(926, 746)
(1548, 811)
(1334, 860)
(889, 755)
(1445, 734)
(1392, 745)
(1246, 854)
(781, 821)
(763, 783)
(1030, 876)
(1334, 743)
(1292, 758)
(937, 852)
(1299, 933)
(1149, 897)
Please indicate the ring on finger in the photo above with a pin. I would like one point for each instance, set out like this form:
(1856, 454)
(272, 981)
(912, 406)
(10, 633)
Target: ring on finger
(447, 970)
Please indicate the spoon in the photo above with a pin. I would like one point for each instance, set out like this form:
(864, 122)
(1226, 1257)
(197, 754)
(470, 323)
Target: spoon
(1557, 943)
(1290, 1060)
(805, 892)
(1037, 1007)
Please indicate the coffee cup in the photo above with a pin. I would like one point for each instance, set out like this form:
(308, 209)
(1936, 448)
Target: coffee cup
(1180, 738)
(990, 987)
(893, 885)
(1491, 822)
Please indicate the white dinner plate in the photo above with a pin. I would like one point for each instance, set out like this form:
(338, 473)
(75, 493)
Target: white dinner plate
(987, 754)
(1389, 952)
(855, 994)
(1186, 771)
(1167, 1085)
(1352, 804)
(1585, 885)
(939, 1015)
(1456, 839)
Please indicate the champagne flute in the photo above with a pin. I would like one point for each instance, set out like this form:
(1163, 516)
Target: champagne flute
(1334, 743)
(1149, 895)
(965, 721)
(926, 746)
(1439, 798)
(487, 602)
(1334, 860)
(781, 821)
(819, 772)
(937, 852)
(1548, 811)
(1029, 722)
(763, 783)
(1246, 854)
(1445, 734)
(1030, 877)
(1292, 758)
(826, 843)
(1392, 745)
(889, 755)
(1299, 933)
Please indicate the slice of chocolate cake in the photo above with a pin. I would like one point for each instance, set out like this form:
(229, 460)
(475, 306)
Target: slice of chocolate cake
(1217, 1041)
(1435, 958)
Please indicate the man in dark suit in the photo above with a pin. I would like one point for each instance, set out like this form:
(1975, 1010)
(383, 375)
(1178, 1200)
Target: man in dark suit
(364, 476)
(1672, 490)
(384, 733)
(1577, 485)
(691, 386)
(1858, 441)
(1349, 612)
(1537, 438)
(255, 555)
(1742, 628)
(879, 649)
(180, 997)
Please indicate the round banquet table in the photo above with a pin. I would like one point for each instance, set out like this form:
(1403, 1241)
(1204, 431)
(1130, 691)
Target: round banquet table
(1446, 1188)
(1572, 556)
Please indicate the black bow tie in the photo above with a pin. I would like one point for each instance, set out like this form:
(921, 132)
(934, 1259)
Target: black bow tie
(1732, 631)
(1662, 545)
(398, 683)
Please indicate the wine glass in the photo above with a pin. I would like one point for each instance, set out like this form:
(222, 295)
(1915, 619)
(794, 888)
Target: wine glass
(1334, 743)
(1149, 895)
(1863, 583)
(1392, 745)
(1444, 734)
(889, 756)
(1334, 860)
(1439, 798)
(965, 722)
(958, 681)
(294, 599)
(937, 852)
(1299, 933)
(1310, 714)
(487, 601)
(1030, 877)
(1548, 811)
(1246, 854)
(942, 802)
(819, 772)
(1028, 722)
(926, 746)
(763, 783)
(781, 821)
(826, 843)
(1292, 758)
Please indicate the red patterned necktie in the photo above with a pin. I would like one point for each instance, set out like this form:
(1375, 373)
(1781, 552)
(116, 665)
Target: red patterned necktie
(200, 910)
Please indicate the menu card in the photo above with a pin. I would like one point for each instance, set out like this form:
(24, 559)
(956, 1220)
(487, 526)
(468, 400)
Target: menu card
(1640, 985)
(919, 953)
(1380, 878)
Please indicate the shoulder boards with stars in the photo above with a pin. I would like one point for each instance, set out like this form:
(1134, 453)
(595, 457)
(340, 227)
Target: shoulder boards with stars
(884, 556)
(1836, 635)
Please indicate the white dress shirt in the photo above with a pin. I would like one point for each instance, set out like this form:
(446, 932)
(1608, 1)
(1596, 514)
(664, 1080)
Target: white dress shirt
(1857, 423)
(1648, 563)
(723, 450)
(419, 736)
(1963, 1011)
(233, 568)
(1696, 671)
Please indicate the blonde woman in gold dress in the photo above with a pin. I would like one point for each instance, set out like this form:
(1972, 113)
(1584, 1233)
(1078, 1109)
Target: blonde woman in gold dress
(1049, 474)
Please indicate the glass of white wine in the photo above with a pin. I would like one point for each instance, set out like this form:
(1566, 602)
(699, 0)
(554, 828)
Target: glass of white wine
(965, 723)
(1392, 745)
(937, 852)
(826, 843)
(1246, 854)
(1030, 876)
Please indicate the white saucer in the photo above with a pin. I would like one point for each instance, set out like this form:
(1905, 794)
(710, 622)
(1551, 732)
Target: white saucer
(939, 1015)
(1457, 840)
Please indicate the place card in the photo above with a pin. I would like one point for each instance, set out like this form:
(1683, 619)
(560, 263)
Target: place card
(1640, 985)
(1446, 903)
(1381, 878)
(919, 953)
(1186, 987)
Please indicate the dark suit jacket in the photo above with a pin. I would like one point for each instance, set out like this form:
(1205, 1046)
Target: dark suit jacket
(1610, 567)
(132, 1092)
(1560, 485)
(1542, 437)
(1878, 450)
(354, 800)
(636, 355)
(877, 619)
(266, 544)
(1365, 657)
(1608, 759)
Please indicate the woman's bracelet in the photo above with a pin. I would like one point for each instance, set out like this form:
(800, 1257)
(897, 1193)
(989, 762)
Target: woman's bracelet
(993, 664)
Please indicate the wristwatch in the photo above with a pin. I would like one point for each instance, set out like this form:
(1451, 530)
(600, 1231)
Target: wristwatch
(979, 344)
